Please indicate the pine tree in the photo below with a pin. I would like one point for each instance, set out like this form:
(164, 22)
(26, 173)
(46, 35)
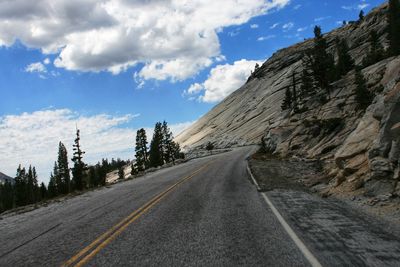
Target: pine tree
(345, 61)
(78, 171)
(294, 95)
(141, 155)
(20, 187)
(43, 191)
(36, 190)
(322, 63)
(52, 188)
(376, 52)
(306, 88)
(6, 196)
(30, 187)
(363, 96)
(361, 15)
(63, 170)
(156, 150)
(394, 27)
(134, 170)
(287, 101)
(168, 144)
(57, 179)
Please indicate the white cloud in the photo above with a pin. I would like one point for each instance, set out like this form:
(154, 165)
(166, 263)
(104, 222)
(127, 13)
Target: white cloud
(296, 7)
(321, 18)
(288, 26)
(223, 80)
(254, 26)
(46, 61)
(264, 38)
(32, 138)
(36, 67)
(273, 26)
(113, 35)
(302, 29)
(359, 6)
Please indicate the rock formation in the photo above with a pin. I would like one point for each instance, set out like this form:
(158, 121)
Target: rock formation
(359, 149)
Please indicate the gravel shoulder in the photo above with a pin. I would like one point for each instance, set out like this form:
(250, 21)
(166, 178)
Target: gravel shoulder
(341, 231)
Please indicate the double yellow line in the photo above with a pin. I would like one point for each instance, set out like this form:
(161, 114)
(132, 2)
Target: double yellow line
(87, 253)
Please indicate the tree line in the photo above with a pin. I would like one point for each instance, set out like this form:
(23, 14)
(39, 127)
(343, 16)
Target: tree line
(26, 190)
(162, 149)
(320, 69)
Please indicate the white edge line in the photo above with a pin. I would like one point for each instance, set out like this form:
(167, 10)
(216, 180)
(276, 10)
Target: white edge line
(307, 254)
(252, 178)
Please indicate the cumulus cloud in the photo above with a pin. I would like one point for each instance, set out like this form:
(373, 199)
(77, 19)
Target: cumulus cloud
(113, 35)
(287, 26)
(254, 26)
(36, 67)
(102, 136)
(222, 81)
(264, 38)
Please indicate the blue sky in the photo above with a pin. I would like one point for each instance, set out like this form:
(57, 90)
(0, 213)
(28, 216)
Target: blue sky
(94, 64)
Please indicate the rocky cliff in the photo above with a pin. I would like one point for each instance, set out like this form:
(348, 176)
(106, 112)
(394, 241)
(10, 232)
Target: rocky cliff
(359, 149)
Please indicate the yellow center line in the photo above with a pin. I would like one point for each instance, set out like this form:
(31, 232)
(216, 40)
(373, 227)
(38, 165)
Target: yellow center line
(117, 229)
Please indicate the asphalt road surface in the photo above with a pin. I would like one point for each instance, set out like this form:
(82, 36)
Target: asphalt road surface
(205, 212)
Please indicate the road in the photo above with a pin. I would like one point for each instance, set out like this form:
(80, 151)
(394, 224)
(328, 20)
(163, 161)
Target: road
(205, 212)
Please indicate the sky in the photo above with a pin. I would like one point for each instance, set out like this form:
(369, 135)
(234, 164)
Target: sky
(111, 67)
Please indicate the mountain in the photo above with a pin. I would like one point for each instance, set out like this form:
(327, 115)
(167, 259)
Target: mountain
(4, 178)
(357, 148)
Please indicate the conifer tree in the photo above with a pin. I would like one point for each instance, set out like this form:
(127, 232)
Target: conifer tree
(376, 52)
(141, 155)
(134, 170)
(20, 187)
(363, 96)
(63, 170)
(78, 171)
(57, 179)
(322, 63)
(43, 191)
(287, 101)
(345, 61)
(394, 27)
(52, 188)
(30, 187)
(361, 15)
(306, 87)
(6, 196)
(156, 150)
(294, 95)
(168, 144)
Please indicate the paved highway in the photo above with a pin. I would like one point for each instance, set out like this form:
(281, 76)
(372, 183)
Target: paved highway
(201, 213)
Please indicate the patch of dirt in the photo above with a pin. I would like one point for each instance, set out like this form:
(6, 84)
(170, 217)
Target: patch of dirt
(276, 173)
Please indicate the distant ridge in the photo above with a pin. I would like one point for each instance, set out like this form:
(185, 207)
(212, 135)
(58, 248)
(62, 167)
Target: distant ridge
(4, 178)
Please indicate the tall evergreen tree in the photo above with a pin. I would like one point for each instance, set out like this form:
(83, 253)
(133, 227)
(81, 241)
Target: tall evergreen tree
(345, 61)
(6, 196)
(287, 101)
(376, 52)
(322, 63)
(307, 87)
(20, 187)
(168, 144)
(36, 189)
(43, 191)
(156, 150)
(394, 27)
(142, 158)
(78, 171)
(52, 187)
(363, 96)
(295, 94)
(63, 170)
(30, 187)
(57, 179)
(361, 15)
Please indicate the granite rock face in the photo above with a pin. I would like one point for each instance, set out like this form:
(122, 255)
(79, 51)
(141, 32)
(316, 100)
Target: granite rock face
(357, 147)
